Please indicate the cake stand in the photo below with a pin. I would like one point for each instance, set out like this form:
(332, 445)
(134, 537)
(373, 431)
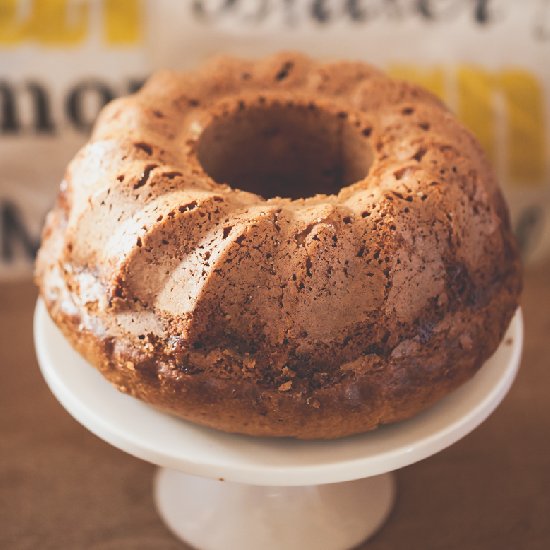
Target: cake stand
(222, 491)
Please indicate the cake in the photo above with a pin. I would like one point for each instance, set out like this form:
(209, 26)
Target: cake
(281, 247)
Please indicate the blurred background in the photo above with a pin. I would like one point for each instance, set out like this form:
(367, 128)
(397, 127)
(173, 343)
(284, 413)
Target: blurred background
(62, 60)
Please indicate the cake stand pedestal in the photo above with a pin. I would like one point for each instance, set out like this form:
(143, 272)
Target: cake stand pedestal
(223, 491)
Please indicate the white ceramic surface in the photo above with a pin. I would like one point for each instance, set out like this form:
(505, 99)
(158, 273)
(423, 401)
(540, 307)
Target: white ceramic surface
(161, 439)
(266, 493)
(216, 515)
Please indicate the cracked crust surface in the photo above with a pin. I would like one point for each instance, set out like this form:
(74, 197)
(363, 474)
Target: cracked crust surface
(311, 318)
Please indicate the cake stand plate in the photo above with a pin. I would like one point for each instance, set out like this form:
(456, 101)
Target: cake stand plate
(223, 491)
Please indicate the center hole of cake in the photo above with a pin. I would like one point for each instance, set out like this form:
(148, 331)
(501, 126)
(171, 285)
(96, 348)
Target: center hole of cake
(285, 151)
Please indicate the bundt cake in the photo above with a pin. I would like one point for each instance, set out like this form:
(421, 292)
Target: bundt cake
(281, 247)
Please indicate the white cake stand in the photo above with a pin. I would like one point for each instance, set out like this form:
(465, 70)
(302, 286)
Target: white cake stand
(221, 491)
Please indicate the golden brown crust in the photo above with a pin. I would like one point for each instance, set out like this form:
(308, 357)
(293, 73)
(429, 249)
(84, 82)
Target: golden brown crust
(311, 318)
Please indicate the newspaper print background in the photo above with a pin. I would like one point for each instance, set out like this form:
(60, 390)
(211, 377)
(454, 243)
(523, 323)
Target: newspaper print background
(62, 60)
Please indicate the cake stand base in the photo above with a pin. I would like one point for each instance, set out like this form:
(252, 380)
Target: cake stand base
(279, 493)
(219, 515)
